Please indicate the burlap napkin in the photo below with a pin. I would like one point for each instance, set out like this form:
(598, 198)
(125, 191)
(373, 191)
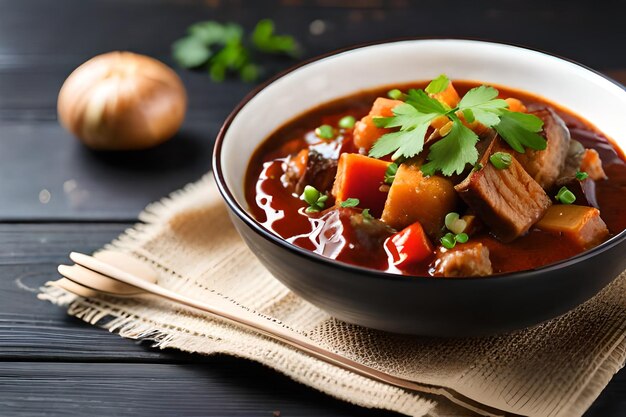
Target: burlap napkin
(556, 369)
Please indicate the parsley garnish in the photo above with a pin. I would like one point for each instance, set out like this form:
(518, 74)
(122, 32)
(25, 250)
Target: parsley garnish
(450, 154)
(222, 48)
(457, 148)
(390, 173)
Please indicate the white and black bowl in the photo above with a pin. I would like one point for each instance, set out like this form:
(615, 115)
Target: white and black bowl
(422, 305)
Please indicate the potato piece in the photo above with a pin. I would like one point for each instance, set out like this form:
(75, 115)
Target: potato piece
(360, 177)
(415, 198)
(580, 224)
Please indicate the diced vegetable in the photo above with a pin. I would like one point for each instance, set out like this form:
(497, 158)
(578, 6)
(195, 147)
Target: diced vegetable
(384, 107)
(515, 105)
(395, 94)
(592, 165)
(365, 131)
(580, 224)
(440, 122)
(347, 122)
(315, 199)
(299, 162)
(360, 177)
(565, 196)
(409, 246)
(325, 132)
(413, 197)
(449, 96)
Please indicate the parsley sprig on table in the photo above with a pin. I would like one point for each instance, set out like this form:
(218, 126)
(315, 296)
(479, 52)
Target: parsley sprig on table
(457, 148)
(223, 49)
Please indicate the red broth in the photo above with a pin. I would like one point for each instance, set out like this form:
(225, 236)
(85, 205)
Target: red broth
(280, 211)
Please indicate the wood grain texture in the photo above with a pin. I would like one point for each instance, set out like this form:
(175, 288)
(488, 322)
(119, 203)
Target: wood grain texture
(55, 365)
(218, 387)
(66, 349)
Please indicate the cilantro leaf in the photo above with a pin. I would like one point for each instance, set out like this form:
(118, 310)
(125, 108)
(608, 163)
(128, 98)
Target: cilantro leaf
(519, 130)
(265, 40)
(405, 116)
(453, 152)
(480, 103)
(190, 52)
(478, 96)
(211, 32)
(223, 50)
(407, 142)
(423, 103)
(438, 85)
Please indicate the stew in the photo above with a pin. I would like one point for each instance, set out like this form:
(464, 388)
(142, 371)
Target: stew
(442, 179)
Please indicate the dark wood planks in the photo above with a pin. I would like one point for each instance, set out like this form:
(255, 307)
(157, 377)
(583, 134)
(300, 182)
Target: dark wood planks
(218, 387)
(76, 362)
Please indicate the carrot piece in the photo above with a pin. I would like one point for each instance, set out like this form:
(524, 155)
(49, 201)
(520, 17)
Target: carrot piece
(580, 224)
(360, 177)
(516, 105)
(365, 131)
(439, 122)
(448, 96)
(409, 246)
(384, 107)
(300, 161)
(592, 165)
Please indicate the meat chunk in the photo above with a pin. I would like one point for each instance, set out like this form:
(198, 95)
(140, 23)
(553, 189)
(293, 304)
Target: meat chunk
(466, 260)
(546, 165)
(344, 234)
(311, 168)
(582, 225)
(416, 198)
(574, 157)
(507, 200)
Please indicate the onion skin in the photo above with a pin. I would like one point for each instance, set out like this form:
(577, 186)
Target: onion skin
(122, 101)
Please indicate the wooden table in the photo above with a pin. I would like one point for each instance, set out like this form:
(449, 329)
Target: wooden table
(54, 365)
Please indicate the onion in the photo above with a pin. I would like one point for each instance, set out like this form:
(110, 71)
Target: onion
(122, 101)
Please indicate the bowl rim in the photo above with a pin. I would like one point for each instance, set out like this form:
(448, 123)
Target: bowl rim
(268, 235)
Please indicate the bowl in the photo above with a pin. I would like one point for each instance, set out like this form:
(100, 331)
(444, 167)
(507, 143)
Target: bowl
(449, 307)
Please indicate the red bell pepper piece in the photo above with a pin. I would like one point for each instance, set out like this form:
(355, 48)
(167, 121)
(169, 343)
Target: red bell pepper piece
(409, 246)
